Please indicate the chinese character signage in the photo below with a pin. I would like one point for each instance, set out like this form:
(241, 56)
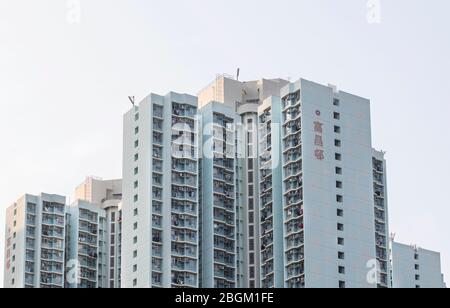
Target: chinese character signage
(318, 139)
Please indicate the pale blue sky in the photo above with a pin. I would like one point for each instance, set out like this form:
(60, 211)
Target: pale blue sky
(64, 87)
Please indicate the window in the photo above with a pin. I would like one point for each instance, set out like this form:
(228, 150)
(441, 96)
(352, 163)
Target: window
(134, 282)
(338, 156)
(336, 102)
(416, 256)
(252, 272)
(341, 270)
(251, 191)
(136, 184)
(136, 157)
(341, 255)
(135, 198)
(135, 226)
(135, 212)
(417, 267)
(136, 130)
(339, 184)
(339, 199)
(340, 213)
(251, 231)
(136, 143)
(250, 164)
(337, 143)
(341, 241)
(337, 116)
(341, 284)
(337, 129)
(135, 254)
(135, 240)
(340, 227)
(250, 177)
(251, 244)
(251, 204)
(136, 171)
(135, 268)
(417, 277)
(251, 218)
(339, 170)
(252, 258)
(136, 117)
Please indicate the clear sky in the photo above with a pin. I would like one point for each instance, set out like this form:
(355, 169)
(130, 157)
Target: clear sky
(64, 84)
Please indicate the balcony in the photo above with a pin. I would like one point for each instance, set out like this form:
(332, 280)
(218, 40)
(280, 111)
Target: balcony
(31, 208)
(227, 163)
(157, 193)
(183, 124)
(184, 236)
(158, 111)
(157, 138)
(52, 220)
(292, 141)
(157, 152)
(294, 183)
(227, 245)
(86, 238)
(184, 179)
(292, 155)
(157, 166)
(31, 220)
(53, 208)
(156, 222)
(266, 240)
(184, 193)
(225, 203)
(224, 272)
(50, 255)
(88, 227)
(184, 250)
(222, 175)
(294, 226)
(293, 128)
(158, 125)
(184, 279)
(51, 267)
(296, 283)
(88, 216)
(53, 231)
(291, 100)
(183, 221)
(157, 207)
(293, 169)
(224, 189)
(267, 254)
(224, 258)
(184, 207)
(295, 270)
(157, 236)
(294, 197)
(157, 265)
(184, 165)
(184, 110)
(222, 121)
(52, 244)
(267, 226)
(223, 230)
(295, 255)
(267, 268)
(52, 279)
(157, 251)
(295, 240)
(223, 284)
(184, 264)
(224, 216)
(156, 279)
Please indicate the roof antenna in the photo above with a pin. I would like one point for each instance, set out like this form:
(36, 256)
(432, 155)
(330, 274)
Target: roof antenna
(238, 74)
(132, 99)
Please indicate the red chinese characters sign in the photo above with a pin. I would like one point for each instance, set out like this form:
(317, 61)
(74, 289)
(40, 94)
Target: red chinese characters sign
(318, 139)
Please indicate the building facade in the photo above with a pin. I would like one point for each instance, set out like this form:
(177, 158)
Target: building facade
(414, 267)
(35, 242)
(161, 238)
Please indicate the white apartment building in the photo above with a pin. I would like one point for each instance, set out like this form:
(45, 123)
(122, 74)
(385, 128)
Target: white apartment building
(285, 201)
(52, 245)
(414, 267)
(161, 238)
(105, 199)
(381, 219)
(35, 242)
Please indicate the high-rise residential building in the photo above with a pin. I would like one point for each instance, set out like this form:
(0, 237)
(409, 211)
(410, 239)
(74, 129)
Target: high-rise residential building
(35, 242)
(104, 199)
(218, 210)
(414, 267)
(381, 219)
(286, 189)
(161, 238)
(52, 245)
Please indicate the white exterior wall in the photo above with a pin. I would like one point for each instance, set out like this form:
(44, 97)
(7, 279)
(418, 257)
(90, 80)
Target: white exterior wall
(414, 267)
(320, 191)
(28, 238)
(148, 262)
